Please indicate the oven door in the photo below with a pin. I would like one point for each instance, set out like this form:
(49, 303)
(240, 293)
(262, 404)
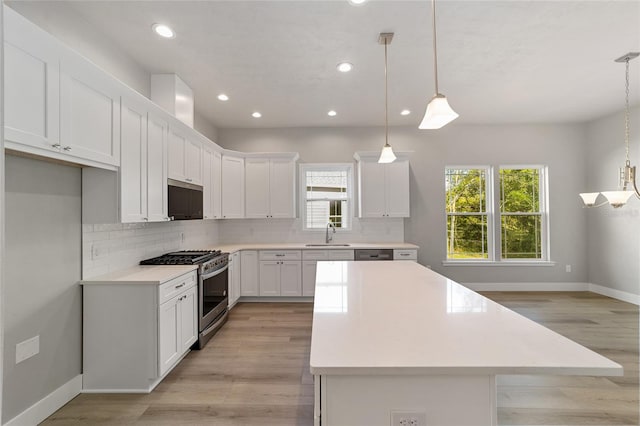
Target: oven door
(213, 288)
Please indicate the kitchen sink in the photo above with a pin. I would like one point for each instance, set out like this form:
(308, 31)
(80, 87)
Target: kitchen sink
(327, 245)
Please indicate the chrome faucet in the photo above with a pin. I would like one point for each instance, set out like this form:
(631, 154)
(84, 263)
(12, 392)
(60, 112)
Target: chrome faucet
(329, 237)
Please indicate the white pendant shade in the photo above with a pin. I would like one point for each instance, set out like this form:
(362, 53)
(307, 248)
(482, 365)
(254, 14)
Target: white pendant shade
(438, 113)
(387, 155)
(589, 198)
(617, 198)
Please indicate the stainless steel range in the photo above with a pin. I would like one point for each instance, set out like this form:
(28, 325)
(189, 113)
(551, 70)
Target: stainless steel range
(213, 286)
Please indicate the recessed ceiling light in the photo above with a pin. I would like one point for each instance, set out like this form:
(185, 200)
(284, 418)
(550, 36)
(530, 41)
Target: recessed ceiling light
(405, 112)
(332, 113)
(163, 30)
(223, 97)
(357, 2)
(344, 67)
(256, 115)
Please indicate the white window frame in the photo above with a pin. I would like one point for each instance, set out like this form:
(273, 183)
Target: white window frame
(312, 167)
(495, 219)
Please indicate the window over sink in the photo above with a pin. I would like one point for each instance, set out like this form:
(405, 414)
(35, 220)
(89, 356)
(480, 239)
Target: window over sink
(326, 194)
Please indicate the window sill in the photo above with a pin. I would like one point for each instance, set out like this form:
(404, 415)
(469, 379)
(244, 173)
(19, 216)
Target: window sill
(498, 263)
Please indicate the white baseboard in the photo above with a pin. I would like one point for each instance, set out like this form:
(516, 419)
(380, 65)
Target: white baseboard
(616, 294)
(49, 404)
(560, 286)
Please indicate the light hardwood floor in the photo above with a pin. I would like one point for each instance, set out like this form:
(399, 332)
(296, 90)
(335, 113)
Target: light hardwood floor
(255, 372)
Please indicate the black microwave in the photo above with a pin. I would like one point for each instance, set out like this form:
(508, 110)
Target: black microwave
(185, 200)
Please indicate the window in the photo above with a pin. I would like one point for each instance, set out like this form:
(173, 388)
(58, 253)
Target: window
(518, 229)
(326, 195)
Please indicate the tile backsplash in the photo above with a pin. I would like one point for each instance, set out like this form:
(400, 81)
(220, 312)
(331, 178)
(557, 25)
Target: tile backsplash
(110, 247)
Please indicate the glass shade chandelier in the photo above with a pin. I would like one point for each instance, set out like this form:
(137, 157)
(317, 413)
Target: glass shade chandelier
(387, 155)
(438, 113)
(627, 174)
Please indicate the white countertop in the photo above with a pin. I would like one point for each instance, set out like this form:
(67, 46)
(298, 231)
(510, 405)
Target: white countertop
(230, 248)
(142, 274)
(402, 318)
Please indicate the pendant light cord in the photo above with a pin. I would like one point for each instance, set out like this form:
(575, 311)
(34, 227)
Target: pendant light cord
(626, 113)
(386, 97)
(435, 48)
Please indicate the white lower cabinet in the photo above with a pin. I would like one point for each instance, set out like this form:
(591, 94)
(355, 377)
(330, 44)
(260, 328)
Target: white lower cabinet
(310, 260)
(280, 273)
(405, 254)
(249, 273)
(134, 333)
(235, 276)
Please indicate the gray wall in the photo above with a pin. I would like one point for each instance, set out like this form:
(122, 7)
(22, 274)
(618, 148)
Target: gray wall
(560, 147)
(41, 292)
(613, 243)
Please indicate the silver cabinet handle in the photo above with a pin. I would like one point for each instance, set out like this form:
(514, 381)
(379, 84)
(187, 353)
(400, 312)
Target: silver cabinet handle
(67, 148)
(145, 218)
(279, 255)
(181, 285)
(55, 145)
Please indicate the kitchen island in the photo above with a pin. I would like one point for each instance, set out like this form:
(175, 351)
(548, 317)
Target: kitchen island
(395, 340)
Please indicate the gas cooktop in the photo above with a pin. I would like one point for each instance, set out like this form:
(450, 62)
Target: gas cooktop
(185, 257)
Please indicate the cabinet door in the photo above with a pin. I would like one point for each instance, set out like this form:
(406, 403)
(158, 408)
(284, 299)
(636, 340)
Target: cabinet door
(397, 188)
(232, 187)
(31, 84)
(256, 187)
(177, 143)
(235, 280)
(269, 278)
(216, 178)
(372, 185)
(169, 345)
(290, 278)
(90, 111)
(193, 162)
(188, 319)
(249, 273)
(282, 188)
(309, 277)
(133, 164)
(207, 183)
(157, 197)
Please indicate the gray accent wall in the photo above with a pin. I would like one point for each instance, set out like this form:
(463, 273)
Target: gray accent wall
(560, 147)
(42, 269)
(613, 244)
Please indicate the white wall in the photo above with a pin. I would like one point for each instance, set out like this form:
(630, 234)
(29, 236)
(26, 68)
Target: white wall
(613, 243)
(560, 147)
(42, 296)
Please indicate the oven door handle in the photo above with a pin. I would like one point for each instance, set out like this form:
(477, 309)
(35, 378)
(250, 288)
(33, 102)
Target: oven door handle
(214, 273)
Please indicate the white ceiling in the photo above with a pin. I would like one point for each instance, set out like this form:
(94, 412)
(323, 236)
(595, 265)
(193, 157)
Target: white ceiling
(499, 61)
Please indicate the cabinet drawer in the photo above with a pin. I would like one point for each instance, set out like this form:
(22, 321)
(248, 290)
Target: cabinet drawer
(280, 255)
(315, 254)
(341, 255)
(405, 255)
(176, 286)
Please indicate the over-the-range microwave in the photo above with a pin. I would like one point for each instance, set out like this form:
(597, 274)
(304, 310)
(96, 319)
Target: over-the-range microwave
(185, 200)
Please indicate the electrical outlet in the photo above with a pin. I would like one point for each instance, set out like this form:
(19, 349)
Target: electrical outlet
(567, 268)
(27, 349)
(408, 418)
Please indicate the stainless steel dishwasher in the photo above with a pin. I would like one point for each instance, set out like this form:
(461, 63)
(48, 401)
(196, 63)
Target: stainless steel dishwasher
(373, 254)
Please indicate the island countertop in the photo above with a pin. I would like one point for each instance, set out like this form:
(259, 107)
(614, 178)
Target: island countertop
(400, 318)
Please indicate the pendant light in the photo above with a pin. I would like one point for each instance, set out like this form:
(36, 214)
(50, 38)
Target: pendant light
(627, 174)
(438, 113)
(387, 155)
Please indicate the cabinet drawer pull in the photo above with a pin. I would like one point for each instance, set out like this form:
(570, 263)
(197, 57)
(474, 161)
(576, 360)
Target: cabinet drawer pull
(67, 148)
(180, 285)
(55, 145)
(279, 255)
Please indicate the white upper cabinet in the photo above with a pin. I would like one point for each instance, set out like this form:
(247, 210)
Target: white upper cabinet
(270, 187)
(232, 187)
(90, 111)
(383, 188)
(212, 176)
(31, 84)
(185, 157)
(143, 166)
(216, 193)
